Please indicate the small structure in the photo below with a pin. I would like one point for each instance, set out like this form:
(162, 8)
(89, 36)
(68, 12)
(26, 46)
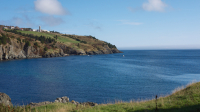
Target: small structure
(11, 27)
(45, 31)
(39, 29)
(17, 28)
(21, 29)
(5, 27)
(35, 30)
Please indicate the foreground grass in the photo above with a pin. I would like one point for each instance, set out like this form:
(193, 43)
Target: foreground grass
(181, 100)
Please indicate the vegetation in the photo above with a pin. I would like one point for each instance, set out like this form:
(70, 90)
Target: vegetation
(27, 43)
(55, 40)
(110, 45)
(45, 48)
(36, 44)
(4, 39)
(181, 100)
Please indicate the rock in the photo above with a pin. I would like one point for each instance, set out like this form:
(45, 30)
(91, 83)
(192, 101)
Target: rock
(81, 52)
(1, 53)
(5, 99)
(97, 52)
(114, 50)
(52, 55)
(61, 52)
(75, 102)
(63, 99)
(31, 51)
(90, 53)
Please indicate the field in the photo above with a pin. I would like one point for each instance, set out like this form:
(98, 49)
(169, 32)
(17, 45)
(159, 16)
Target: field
(181, 100)
(61, 39)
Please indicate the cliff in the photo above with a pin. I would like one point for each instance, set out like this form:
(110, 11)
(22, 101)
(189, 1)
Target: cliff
(15, 44)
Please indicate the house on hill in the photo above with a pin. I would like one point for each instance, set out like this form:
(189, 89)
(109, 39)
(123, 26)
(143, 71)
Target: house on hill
(11, 27)
(35, 30)
(5, 27)
(45, 31)
(27, 29)
(17, 28)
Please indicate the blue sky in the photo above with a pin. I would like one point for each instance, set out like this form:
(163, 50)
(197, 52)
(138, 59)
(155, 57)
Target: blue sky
(128, 24)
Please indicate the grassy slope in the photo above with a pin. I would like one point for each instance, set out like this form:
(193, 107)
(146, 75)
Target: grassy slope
(92, 44)
(184, 100)
(66, 40)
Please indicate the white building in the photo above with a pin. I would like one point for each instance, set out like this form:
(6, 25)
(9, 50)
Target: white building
(39, 29)
(45, 31)
(12, 27)
(35, 30)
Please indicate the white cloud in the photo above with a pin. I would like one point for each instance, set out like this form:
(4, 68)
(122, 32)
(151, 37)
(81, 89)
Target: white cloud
(126, 22)
(154, 5)
(52, 7)
(51, 20)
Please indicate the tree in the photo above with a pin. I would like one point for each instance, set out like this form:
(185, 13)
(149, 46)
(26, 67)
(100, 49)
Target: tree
(36, 44)
(27, 44)
(45, 48)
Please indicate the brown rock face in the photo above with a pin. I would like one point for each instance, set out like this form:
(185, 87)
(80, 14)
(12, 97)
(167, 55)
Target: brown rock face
(1, 53)
(5, 99)
(32, 52)
(16, 51)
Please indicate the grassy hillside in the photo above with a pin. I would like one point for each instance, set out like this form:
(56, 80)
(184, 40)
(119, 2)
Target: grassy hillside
(51, 41)
(51, 35)
(181, 100)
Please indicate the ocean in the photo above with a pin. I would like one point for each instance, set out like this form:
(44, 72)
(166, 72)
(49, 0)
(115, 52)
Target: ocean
(138, 75)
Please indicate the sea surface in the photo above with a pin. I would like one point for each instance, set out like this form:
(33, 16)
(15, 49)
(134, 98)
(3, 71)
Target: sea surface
(138, 75)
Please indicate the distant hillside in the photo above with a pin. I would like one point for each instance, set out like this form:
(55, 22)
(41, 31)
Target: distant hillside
(16, 44)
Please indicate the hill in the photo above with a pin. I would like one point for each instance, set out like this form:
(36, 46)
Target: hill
(17, 44)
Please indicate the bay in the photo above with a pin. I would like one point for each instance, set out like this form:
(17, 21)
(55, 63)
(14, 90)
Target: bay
(138, 75)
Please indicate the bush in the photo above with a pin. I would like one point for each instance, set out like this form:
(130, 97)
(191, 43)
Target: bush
(27, 44)
(18, 39)
(4, 39)
(84, 42)
(36, 44)
(45, 48)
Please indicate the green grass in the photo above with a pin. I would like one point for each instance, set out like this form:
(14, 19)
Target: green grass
(38, 33)
(65, 40)
(181, 100)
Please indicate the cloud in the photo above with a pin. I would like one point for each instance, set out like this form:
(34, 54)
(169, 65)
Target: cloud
(126, 22)
(51, 20)
(154, 5)
(52, 7)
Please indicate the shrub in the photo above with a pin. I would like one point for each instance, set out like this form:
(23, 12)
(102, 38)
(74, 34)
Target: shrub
(18, 39)
(4, 39)
(36, 44)
(45, 48)
(27, 44)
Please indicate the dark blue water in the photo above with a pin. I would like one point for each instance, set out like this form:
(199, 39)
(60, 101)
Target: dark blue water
(100, 78)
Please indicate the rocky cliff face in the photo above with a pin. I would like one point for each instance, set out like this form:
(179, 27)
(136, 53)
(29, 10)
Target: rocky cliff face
(71, 51)
(16, 51)
(5, 99)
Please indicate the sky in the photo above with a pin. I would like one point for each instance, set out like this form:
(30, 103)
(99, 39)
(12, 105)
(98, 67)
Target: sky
(128, 24)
